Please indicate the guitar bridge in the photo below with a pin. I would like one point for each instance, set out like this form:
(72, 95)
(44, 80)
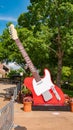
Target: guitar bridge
(56, 93)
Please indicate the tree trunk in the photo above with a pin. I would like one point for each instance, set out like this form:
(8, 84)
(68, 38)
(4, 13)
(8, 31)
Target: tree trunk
(60, 56)
(59, 71)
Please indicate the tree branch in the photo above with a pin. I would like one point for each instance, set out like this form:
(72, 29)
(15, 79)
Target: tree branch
(52, 50)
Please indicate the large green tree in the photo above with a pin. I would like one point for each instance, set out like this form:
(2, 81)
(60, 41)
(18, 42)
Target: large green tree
(46, 32)
(57, 15)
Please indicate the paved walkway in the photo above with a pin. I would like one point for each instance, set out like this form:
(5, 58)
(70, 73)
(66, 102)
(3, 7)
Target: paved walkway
(38, 120)
(41, 120)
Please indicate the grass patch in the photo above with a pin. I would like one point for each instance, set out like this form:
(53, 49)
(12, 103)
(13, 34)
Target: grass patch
(69, 92)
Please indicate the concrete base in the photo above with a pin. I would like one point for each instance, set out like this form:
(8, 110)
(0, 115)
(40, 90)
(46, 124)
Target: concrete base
(50, 108)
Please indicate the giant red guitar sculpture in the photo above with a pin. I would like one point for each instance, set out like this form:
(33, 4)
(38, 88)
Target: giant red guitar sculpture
(43, 89)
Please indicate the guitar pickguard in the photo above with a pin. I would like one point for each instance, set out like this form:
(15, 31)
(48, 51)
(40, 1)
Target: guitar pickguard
(43, 85)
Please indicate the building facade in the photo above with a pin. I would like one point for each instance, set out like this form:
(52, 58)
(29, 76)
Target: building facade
(4, 69)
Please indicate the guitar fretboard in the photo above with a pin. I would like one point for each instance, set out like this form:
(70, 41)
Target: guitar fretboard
(28, 60)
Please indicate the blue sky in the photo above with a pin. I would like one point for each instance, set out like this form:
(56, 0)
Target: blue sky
(10, 11)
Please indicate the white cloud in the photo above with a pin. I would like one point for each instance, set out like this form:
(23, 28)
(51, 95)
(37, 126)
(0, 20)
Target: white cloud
(4, 18)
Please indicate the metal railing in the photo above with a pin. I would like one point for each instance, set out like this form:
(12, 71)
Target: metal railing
(7, 116)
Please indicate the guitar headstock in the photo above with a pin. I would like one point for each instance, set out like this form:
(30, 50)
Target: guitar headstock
(13, 32)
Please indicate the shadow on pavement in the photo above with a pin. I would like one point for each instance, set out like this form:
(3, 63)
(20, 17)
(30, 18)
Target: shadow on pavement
(20, 128)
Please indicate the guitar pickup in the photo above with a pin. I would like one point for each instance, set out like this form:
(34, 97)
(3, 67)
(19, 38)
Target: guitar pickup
(39, 83)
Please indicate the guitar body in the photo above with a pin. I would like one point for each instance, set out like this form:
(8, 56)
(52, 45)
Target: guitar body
(38, 100)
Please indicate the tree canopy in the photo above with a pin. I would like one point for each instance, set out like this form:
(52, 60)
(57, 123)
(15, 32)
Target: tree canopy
(46, 32)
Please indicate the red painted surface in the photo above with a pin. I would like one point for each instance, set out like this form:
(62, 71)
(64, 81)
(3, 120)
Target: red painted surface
(38, 100)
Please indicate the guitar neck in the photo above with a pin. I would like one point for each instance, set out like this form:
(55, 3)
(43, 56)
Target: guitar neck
(28, 60)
